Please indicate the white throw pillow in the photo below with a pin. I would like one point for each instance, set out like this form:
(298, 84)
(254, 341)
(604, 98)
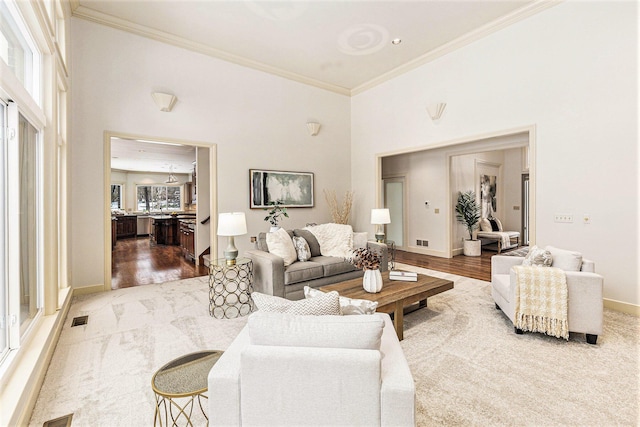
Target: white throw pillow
(354, 332)
(360, 240)
(302, 248)
(565, 260)
(348, 306)
(323, 305)
(280, 244)
(485, 225)
(538, 257)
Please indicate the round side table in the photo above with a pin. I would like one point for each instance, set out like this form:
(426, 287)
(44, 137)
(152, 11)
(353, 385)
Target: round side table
(184, 377)
(230, 288)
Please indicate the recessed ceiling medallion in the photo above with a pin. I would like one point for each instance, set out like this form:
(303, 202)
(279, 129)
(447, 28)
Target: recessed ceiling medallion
(363, 39)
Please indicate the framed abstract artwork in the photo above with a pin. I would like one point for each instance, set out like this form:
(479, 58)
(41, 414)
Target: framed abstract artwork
(292, 189)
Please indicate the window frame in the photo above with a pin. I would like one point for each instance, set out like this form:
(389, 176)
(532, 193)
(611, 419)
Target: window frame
(180, 188)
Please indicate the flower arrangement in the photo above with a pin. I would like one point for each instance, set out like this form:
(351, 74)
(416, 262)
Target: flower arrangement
(365, 259)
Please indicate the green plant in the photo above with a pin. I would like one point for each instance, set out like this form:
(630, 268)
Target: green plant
(276, 212)
(468, 211)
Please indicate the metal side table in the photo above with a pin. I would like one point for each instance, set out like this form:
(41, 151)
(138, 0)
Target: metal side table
(230, 288)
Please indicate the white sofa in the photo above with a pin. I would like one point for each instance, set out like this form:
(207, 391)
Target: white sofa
(585, 305)
(287, 370)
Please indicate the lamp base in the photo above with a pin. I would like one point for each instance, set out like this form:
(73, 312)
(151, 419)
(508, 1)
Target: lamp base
(379, 237)
(231, 252)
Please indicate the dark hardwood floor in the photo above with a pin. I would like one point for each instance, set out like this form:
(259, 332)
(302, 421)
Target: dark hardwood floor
(468, 266)
(134, 262)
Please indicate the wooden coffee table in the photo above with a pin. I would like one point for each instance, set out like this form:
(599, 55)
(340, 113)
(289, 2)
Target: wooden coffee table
(395, 294)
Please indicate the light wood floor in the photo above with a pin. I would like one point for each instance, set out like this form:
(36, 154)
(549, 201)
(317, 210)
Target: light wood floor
(134, 262)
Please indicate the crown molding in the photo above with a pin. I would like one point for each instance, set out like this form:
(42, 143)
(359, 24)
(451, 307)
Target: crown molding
(91, 15)
(460, 42)
(82, 12)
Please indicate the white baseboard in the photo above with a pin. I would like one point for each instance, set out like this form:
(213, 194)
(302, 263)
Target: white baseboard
(424, 251)
(91, 289)
(623, 307)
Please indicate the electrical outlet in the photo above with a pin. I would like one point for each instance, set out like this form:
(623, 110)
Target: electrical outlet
(563, 218)
(253, 239)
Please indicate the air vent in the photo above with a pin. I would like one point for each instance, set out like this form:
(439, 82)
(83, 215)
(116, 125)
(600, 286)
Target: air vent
(80, 321)
(64, 421)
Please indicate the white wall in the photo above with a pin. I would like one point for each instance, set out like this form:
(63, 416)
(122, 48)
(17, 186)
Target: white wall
(257, 120)
(572, 72)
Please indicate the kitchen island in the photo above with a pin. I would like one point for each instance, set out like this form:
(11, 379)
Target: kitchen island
(164, 228)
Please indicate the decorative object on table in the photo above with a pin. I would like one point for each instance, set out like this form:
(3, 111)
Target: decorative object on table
(368, 261)
(379, 217)
(468, 213)
(185, 377)
(275, 213)
(292, 189)
(231, 224)
(407, 276)
(230, 288)
(339, 215)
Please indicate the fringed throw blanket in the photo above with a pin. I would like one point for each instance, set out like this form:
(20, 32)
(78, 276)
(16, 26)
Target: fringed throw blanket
(541, 300)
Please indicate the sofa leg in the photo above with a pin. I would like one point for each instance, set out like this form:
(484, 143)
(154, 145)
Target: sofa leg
(591, 339)
(518, 331)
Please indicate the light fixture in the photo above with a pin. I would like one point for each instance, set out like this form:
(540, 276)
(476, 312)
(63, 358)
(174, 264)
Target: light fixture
(231, 224)
(396, 41)
(435, 110)
(379, 217)
(165, 101)
(172, 178)
(313, 128)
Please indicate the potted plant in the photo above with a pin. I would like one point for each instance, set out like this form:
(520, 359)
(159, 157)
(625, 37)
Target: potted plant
(368, 261)
(276, 212)
(468, 213)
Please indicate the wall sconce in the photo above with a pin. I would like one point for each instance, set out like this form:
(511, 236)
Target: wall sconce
(313, 128)
(435, 110)
(165, 101)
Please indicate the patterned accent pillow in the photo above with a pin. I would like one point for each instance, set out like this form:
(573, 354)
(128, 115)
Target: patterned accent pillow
(302, 248)
(327, 304)
(348, 306)
(538, 257)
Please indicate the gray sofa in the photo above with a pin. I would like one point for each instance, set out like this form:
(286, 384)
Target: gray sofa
(271, 277)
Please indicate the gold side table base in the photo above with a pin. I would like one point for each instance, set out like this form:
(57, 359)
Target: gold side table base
(161, 401)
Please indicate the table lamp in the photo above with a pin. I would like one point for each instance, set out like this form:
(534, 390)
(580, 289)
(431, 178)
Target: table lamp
(379, 217)
(231, 224)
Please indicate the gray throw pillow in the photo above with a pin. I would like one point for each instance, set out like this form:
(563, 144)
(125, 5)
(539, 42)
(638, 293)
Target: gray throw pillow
(314, 246)
(538, 257)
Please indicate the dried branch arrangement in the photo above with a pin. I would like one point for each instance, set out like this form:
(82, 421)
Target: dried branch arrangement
(364, 259)
(339, 214)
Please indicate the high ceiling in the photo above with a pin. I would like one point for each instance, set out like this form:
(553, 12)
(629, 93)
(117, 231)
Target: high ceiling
(344, 46)
(146, 156)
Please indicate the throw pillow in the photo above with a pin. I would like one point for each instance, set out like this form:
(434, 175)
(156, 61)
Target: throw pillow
(311, 240)
(499, 224)
(348, 306)
(353, 332)
(494, 225)
(302, 248)
(280, 244)
(360, 240)
(485, 225)
(538, 257)
(566, 260)
(323, 305)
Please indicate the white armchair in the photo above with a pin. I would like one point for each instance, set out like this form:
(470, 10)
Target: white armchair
(585, 305)
(288, 370)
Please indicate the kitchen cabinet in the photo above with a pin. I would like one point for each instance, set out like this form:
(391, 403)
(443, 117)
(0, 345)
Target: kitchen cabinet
(187, 238)
(126, 226)
(164, 230)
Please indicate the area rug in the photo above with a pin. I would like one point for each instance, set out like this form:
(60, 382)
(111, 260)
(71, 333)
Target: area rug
(469, 366)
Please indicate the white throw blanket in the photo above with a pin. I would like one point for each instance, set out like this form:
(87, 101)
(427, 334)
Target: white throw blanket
(334, 239)
(542, 300)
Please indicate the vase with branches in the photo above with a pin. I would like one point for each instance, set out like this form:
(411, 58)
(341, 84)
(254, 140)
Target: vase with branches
(275, 213)
(339, 213)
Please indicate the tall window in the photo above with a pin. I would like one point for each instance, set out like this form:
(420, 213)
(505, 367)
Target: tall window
(4, 327)
(158, 198)
(116, 196)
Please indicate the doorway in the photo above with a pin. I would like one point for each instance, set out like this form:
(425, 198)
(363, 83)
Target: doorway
(394, 200)
(154, 182)
(525, 209)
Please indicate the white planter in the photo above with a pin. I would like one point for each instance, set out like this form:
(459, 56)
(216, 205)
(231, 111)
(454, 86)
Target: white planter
(372, 281)
(472, 248)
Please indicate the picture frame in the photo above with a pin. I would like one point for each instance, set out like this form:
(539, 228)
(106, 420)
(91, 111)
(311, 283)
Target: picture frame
(293, 189)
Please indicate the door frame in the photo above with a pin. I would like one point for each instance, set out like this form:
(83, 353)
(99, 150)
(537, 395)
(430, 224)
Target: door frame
(213, 191)
(398, 178)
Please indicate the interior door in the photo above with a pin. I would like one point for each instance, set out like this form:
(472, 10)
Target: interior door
(525, 209)
(394, 200)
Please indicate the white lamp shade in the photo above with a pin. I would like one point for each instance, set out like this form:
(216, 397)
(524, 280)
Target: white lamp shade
(380, 216)
(232, 224)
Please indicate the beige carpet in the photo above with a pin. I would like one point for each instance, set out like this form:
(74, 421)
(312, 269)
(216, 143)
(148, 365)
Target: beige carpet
(469, 366)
